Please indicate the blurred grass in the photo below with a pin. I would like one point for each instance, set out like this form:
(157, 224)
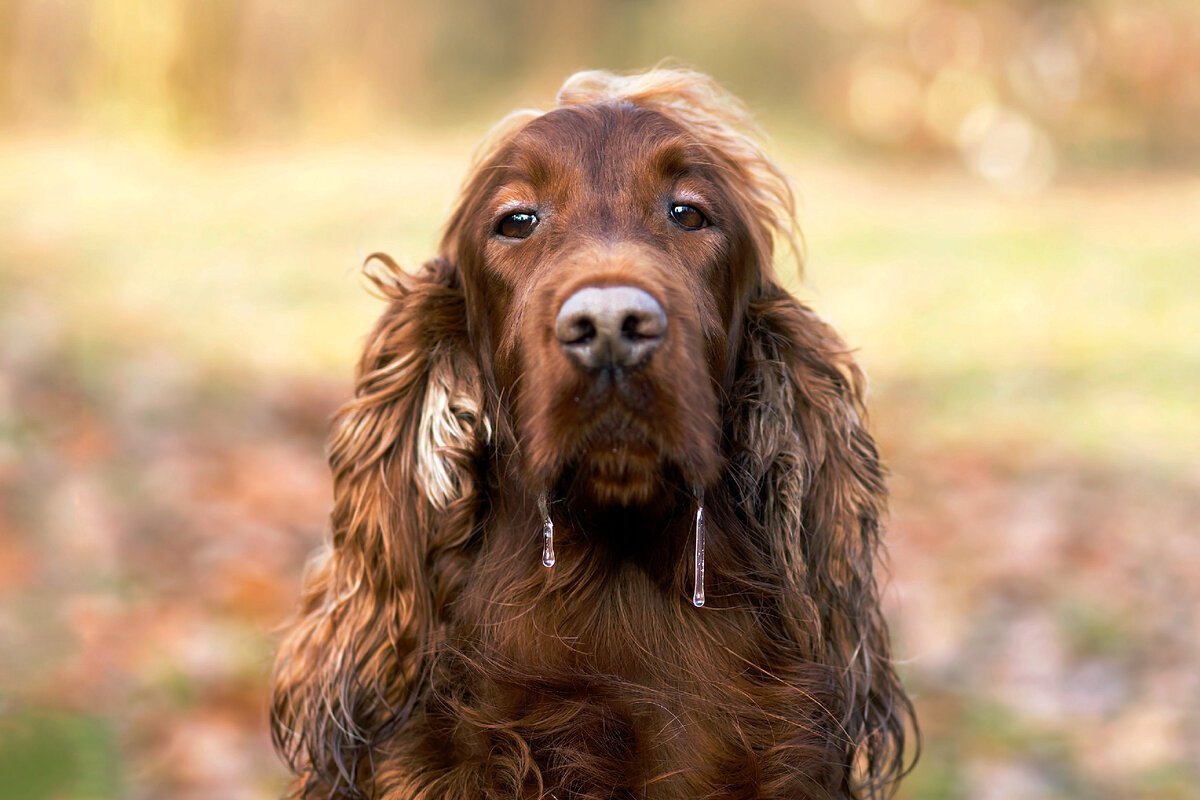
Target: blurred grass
(1069, 321)
(58, 755)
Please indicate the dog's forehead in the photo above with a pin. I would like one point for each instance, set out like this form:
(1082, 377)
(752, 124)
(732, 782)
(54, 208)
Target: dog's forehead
(601, 141)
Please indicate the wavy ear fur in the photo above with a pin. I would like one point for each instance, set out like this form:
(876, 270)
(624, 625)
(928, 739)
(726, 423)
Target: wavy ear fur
(403, 454)
(815, 485)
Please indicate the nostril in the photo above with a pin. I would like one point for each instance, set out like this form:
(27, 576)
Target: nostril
(629, 328)
(578, 330)
(643, 325)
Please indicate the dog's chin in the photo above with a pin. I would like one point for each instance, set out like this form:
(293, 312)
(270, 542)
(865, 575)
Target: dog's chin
(623, 474)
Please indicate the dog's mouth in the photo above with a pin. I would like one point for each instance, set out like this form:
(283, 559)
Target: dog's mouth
(617, 460)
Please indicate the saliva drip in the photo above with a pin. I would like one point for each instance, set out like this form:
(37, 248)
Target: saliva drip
(698, 591)
(547, 532)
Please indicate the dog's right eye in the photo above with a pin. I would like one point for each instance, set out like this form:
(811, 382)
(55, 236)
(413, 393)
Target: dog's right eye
(518, 225)
(688, 217)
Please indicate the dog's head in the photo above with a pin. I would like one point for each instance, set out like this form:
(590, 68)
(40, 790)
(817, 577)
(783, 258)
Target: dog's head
(608, 250)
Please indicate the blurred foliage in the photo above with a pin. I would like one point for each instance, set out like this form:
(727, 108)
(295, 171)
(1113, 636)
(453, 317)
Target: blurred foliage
(1013, 86)
(178, 322)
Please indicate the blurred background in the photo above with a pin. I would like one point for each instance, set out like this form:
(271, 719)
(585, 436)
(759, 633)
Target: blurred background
(1001, 202)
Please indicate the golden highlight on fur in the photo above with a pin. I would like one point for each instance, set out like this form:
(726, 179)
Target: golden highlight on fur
(434, 657)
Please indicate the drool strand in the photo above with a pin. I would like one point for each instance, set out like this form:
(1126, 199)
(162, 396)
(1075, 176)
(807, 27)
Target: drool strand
(698, 591)
(547, 531)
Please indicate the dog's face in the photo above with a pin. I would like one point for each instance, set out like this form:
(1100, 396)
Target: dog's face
(605, 258)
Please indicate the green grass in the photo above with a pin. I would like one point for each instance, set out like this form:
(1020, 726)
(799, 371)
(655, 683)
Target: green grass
(58, 757)
(1070, 320)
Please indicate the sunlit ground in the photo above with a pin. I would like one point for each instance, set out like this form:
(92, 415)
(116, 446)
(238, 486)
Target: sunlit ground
(175, 328)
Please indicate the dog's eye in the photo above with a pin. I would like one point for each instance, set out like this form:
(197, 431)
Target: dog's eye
(688, 217)
(518, 225)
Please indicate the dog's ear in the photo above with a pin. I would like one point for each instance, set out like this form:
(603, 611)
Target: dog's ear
(403, 453)
(811, 475)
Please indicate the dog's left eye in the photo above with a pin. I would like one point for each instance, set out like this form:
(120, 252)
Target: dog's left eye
(518, 225)
(688, 217)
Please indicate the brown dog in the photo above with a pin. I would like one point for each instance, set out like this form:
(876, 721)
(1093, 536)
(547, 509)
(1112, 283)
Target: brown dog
(600, 351)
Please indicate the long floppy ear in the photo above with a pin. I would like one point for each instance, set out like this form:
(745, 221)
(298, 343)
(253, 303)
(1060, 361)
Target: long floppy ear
(811, 474)
(403, 454)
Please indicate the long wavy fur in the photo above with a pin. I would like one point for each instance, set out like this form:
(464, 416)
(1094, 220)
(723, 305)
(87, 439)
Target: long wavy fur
(397, 678)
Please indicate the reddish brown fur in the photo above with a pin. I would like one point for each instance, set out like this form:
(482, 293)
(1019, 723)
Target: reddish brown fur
(434, 657)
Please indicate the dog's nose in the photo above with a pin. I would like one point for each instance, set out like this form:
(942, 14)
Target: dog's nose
(610, 326)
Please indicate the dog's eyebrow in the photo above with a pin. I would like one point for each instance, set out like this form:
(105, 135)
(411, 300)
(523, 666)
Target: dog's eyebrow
(686, 191)
(677, 158)
(530, 162)
(517, 196)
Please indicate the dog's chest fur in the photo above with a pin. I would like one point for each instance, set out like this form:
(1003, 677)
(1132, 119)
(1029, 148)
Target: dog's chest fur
(609, 694)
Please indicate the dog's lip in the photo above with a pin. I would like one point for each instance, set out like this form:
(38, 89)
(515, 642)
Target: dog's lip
(616, 436)
(627, 390)
(620, 450)
(618, 422)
